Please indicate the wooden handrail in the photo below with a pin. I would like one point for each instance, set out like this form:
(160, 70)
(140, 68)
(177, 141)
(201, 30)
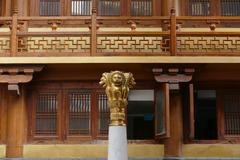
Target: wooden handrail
(94, 22)
(204, 18)
(5, 18)
(132, 33)
(53, 34)
(64, 18)
(208, 34)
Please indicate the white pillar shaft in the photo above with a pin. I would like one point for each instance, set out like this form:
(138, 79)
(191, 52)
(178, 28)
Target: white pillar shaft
(117, 143)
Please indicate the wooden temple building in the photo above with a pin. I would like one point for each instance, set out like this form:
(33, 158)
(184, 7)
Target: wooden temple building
(184, 55)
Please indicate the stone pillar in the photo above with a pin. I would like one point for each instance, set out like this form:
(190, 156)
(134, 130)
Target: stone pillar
(117, 143)
(117, 86)
(16, 118)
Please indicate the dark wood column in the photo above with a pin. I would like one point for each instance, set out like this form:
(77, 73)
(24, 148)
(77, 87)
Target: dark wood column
(174, 76)
(16, 77)
(16, 118)
(173, 144)
(167, 5)
(23, 7)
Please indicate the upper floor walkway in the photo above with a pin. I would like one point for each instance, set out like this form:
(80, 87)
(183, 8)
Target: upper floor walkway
(95, 35)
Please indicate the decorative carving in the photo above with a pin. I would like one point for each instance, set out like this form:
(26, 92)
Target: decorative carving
(133, 25)
(213, 25)
(173, 76)
(4, 44)
(117, 86)
(132, 44)
(203, 44)
(56, 44)
(54, 24)
(13, 75)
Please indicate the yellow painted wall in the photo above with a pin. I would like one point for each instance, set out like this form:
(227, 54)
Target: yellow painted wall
(88, 151)
(2, 151)
(135, 151)
(211, 150)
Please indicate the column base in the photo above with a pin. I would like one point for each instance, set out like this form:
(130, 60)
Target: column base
(14, 151)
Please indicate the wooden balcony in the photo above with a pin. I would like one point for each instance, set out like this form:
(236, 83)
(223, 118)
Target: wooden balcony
(119, 36)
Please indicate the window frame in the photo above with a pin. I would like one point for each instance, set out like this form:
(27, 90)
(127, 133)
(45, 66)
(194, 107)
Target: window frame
(62, 89)
(32, 123)
(221, 113)
(152, 9)
(214, 9)
(220, 91)
(62, 127)
(166, 105)
(65, 8)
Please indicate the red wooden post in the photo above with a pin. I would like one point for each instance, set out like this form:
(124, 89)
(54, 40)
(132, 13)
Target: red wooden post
(14, 35)
(173, 33)
(94, 30)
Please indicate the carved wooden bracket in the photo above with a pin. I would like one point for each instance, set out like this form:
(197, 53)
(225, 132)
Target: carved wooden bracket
(133, 25)
(173, 76)
(13, 75)
(213, 24)
(55, 24)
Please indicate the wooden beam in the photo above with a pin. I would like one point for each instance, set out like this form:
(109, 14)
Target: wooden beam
(13, 75)
(122, 59)
(173, 75)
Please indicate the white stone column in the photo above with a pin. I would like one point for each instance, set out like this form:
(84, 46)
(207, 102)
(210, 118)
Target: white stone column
(117, 143)
(117, 86)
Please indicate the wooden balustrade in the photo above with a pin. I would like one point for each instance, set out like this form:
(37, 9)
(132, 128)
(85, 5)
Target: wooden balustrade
(119, 35)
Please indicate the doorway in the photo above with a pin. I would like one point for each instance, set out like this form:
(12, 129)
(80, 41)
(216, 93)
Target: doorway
(140, 115)
(205, 115)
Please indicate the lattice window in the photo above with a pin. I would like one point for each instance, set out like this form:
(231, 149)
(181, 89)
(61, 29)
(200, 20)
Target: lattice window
(46, 114)
(79, 113)
(49, 8)
(230, 7)
(81, 7)
(109, 7)
(103, 114)
(199, 7)
(232, 114)
(141, 7)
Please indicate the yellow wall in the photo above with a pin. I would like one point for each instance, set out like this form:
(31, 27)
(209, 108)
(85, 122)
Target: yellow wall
(211, 150)
(136, 151)
(88, 151)
(2, 151)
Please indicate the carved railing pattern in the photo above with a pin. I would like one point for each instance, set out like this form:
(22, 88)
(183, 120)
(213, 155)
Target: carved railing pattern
(99, 36)
(132, 44)
(203, 44)
(5, 44)
(54, 44)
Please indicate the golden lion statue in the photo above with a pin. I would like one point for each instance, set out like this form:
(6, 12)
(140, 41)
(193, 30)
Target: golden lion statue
(117, 86)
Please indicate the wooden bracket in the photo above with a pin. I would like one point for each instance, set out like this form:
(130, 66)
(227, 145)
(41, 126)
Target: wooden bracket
(173, 76)
(13, 75)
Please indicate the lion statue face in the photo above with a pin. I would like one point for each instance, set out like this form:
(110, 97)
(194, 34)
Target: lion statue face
(117, 79)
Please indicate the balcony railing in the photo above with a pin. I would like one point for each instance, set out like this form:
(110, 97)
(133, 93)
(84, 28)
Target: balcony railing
(119, 36)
